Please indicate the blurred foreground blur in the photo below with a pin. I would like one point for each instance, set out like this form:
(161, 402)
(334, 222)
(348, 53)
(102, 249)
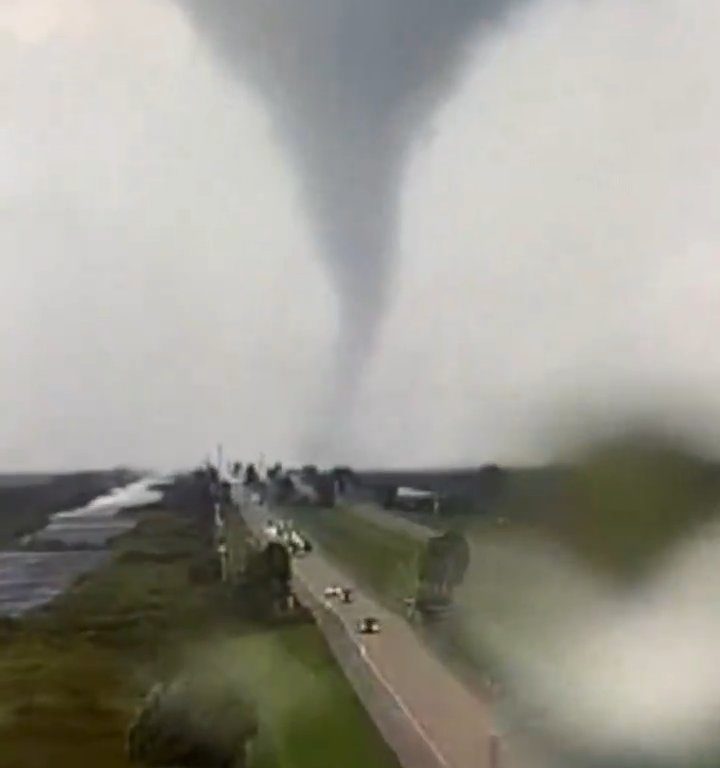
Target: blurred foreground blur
(603, 613)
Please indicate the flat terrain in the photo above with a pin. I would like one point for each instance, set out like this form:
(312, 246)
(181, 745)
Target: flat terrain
(27, 501)
(455, 725)
(73, 674)
(8, 480)
(383, 559)
(379, 552)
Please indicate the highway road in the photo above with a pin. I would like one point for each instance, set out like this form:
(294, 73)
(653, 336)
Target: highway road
(426, 714)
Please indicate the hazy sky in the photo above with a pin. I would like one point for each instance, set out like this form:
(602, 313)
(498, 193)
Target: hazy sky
(161, 287)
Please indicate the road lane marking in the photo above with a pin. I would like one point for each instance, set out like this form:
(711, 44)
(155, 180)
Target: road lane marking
(403, 707)
(362, 650)
(381, 678)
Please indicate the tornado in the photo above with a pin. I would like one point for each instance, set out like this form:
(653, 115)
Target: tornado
(349, 86)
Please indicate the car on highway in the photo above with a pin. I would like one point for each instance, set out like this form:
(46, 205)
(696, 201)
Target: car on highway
(298, 544)
(368, 626)
(346, 595)
(343, 593)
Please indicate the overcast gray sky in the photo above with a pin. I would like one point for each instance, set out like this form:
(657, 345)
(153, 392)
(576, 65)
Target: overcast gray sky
(559, 245)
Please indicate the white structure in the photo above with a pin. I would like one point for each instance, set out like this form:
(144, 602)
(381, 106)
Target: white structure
(414, 498)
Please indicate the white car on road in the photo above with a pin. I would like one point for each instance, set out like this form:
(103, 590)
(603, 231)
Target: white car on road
(368, 626)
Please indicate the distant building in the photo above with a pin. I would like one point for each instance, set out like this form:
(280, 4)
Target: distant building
(409, 499)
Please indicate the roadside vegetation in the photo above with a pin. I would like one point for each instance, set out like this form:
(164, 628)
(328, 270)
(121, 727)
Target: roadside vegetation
(74, 674)
(384, 560)
(393, 566)
(616, 517)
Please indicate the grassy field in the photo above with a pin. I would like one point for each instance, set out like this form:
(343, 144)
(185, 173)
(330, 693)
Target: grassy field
(309, 716)
(72, 675)
(383, 560)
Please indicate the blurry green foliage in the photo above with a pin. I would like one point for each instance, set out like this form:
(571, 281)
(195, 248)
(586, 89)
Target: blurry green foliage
(627, 502)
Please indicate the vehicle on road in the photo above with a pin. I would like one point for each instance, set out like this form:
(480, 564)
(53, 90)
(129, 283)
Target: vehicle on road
(298, 544)
(343, 593)
(368, 626)
(346, 595)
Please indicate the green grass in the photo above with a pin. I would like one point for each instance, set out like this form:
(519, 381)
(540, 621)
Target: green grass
(309, 716)
(385, 561)
(381, 559)
(72, 675)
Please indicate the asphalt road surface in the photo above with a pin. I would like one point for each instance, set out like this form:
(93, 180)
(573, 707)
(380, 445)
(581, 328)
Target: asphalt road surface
(452, 727)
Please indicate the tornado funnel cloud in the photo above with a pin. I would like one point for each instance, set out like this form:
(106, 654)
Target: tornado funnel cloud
(349, 85)
(351, 198)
